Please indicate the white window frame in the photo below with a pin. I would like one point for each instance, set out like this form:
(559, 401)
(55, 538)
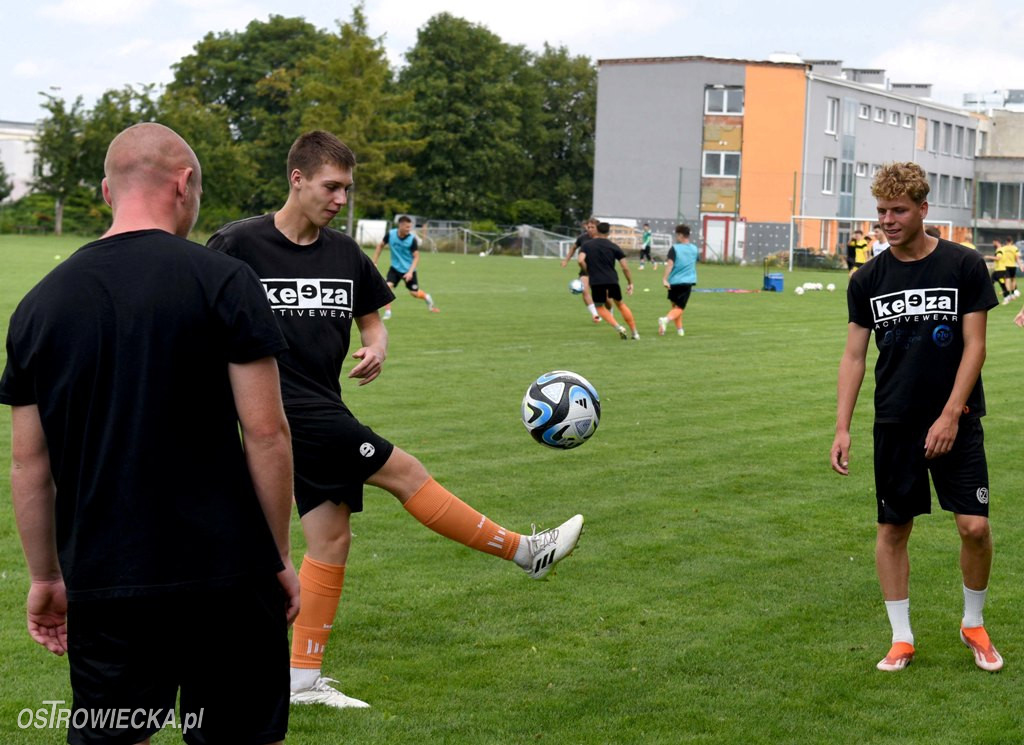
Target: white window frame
(727, 94)
(721, 164)
(831, 116)
(875, 168)
(958, 141)
(879, 115)
(862, 170)
(864, 112)
(828, 176)
(908, 121)
(935, 131)
(894, 118)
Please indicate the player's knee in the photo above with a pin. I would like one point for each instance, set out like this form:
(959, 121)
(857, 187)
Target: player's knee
(974, 530)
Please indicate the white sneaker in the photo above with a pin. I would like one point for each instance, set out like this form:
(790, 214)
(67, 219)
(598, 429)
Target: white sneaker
(636, 335)
(622, 332)
(1016, 293)
(386, 315)
(549, 547)
(322, 693)
(680, 332)
(662, 325)
(1007, 300)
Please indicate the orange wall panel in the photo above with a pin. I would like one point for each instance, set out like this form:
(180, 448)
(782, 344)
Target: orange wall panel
(773, 142)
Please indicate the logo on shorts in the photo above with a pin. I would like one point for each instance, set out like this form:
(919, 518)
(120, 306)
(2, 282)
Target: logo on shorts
(983, 494)
(366, 450)
(942, 336)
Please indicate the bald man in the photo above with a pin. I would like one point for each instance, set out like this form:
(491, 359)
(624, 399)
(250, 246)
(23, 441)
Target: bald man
(131, 368)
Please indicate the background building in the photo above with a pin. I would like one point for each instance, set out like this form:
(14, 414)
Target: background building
(16, 154)
(738, 148)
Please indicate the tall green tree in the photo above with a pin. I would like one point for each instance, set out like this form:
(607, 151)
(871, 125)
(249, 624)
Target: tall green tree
(251, 75)
(470, 94)
(58, 147)
(114, 111)
(350, 91)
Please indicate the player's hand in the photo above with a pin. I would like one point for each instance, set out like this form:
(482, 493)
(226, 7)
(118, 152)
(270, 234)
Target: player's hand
(629, 289)
(371, 362)
(1019, 320)
(407, 276)
(665, 284)
(290, 584)
(48, 614)
(565, 262)
(941, 436)
(840, 456)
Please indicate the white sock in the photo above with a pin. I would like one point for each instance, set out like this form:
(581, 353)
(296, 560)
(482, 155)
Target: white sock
(593, 309)
(974, 604)
(899, 619)
(303, 678)
(522, 557)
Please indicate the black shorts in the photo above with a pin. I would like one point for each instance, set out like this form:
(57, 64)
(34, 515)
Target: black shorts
(1011, 271)
(855, 264)
(679, 295)
(133, 654)
(395, 276)
(603, 293)
(334, 455)
(901, 472)
(998, 275)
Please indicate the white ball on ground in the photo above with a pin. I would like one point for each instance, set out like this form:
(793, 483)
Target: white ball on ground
(799, 290)
(830, 287)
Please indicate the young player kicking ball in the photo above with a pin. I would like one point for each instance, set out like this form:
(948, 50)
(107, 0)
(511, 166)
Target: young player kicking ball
(318, 281)
(405, 257)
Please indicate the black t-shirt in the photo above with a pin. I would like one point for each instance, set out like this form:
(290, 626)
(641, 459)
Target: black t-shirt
(601, 257)
(125, 349)
(916, 310)
(581, 239)
(315, 291)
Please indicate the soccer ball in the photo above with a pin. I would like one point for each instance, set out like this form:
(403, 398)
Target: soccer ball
(561, 409)
(576, 286)
(831, 287)
(799, 290)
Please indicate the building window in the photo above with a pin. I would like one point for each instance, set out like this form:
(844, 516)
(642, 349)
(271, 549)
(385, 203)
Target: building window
(908, 121)
(1009, 202)
(988, 195)
(958, 142)
(832, 116)
(875, 168)
(894, 118)
(972, 142)
(862, 170)
(880, 115)
(723, 101)
(864, 112)
(943, 189)
(968, 192)
(933, 145)
(723, 165)
(956, 195)
(846, 178)
(828, 181)
(947, 138)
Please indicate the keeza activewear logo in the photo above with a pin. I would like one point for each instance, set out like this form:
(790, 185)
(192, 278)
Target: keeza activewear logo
(938, 300)
(309, 294)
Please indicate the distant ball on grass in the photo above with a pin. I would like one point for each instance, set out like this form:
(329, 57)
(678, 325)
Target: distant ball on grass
(799, 290)
(561, 409)
(831, 287)
(576, 286)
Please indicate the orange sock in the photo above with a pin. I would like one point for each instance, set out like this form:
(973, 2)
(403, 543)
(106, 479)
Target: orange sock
(319, 593)
(627, 315)
(607, 315)
(444, 513)
(420, 295)
(676, 316)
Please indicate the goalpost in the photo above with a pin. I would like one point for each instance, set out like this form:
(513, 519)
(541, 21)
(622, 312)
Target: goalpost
(827, 236)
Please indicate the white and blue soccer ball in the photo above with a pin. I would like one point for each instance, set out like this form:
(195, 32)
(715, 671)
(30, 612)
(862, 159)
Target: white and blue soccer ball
(576, 286)
(561, 409)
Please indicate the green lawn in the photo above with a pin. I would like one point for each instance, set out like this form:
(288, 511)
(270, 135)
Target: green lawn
(724, 589)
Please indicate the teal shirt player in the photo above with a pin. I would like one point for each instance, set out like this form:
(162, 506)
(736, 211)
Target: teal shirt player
(684, 264)
(401, 250)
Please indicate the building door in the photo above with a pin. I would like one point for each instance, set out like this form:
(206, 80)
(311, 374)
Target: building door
(716, 237)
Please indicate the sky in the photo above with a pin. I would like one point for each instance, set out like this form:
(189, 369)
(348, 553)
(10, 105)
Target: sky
(69, 48)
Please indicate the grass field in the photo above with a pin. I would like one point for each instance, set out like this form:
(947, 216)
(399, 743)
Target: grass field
(724, 588)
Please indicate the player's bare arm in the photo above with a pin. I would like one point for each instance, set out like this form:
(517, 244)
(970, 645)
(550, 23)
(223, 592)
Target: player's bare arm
(371, 355)
(412, 267)
(942, 433)
(851, 376)
(668, 270)
(376, 251)
(256, 388)
(628, 276)
(34, 494)
(568, 256)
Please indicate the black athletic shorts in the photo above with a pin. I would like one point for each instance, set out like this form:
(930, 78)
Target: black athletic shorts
(901, 472)
(226, 648)
(998, 275)
(603, 293)
(679, 295)
(334, 455)
(395, 276)
(1011, 271)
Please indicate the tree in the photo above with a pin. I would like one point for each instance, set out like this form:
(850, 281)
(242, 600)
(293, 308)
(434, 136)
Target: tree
(349, 91)
(6, 185)
(58, 168)
(114, 111)
(250, 76)
(469, 92)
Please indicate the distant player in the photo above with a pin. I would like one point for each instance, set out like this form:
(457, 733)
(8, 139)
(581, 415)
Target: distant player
(297, 256)
(589, 232)
(927, 301)
(680, 277)
(405, 257)
(999, 270)
(856, 251)
(1011, 261)
(881, 242)
(598, 258)
(645, 247)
